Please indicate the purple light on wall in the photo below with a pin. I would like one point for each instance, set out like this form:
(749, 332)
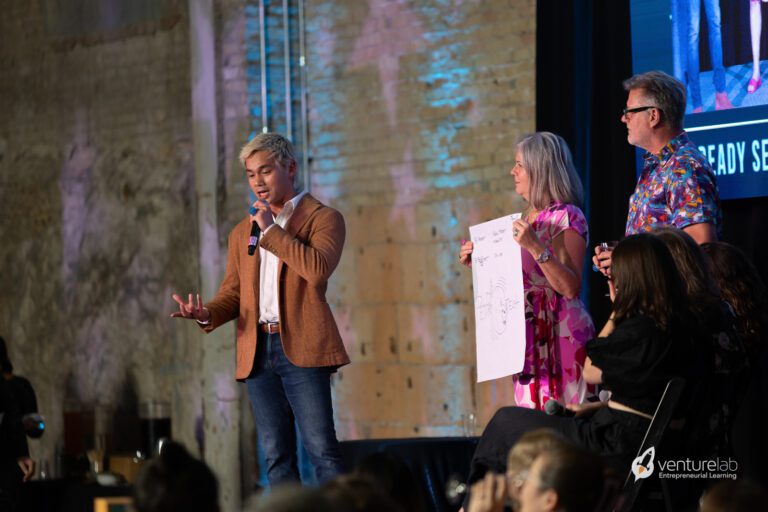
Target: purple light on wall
(74, 185)
(408, 191)
(422, 329)
(390, 31)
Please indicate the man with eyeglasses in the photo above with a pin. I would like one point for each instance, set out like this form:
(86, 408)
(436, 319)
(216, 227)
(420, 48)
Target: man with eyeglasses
(677, 186)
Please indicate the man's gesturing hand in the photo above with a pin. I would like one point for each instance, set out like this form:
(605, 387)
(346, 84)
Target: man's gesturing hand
(191, 310)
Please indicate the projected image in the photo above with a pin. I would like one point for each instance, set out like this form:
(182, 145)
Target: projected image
(719, 50)
(717, 53)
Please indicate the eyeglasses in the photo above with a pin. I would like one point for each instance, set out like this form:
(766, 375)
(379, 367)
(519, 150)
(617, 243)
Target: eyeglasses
(626, 111)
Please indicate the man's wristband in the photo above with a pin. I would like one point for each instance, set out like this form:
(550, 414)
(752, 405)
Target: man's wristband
(207, 322)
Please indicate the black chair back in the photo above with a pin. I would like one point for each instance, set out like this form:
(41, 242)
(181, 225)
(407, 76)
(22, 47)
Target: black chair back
(654, 437)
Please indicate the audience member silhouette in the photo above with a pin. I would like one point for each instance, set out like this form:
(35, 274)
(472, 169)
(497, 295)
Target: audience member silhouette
(175, 481)
(395, 478)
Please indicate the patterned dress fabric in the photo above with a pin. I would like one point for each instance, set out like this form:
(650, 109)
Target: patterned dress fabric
(676, 188)
(557, 328)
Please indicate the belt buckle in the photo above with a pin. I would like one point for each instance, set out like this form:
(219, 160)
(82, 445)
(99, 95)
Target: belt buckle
(273, 327)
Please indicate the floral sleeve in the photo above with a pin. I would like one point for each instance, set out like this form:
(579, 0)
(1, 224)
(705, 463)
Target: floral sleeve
(691, 196)
(568, 216)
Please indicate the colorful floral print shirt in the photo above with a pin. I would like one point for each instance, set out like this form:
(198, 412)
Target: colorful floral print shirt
(676, 188)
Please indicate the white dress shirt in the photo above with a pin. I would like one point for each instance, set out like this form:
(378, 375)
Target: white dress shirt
(269, 307)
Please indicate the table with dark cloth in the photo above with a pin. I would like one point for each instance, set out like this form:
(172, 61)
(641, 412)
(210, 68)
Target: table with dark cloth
(433, 461)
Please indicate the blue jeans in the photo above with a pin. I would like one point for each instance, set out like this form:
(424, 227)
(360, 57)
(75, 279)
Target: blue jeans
(679, 10)
(280, 392)
(715, 47)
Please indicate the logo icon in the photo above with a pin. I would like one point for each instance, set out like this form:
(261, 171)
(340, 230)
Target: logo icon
(642, 466)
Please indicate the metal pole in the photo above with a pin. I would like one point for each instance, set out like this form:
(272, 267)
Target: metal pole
(263, 63)
(287, 63)
(303, 77)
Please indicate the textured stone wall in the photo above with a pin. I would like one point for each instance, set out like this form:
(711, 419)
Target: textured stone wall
(415, 108)
(97, 213)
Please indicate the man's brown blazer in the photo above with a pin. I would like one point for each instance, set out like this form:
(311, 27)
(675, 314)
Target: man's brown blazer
(309, 249)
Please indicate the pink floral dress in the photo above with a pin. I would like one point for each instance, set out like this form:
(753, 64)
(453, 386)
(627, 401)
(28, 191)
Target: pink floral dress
(557, 328)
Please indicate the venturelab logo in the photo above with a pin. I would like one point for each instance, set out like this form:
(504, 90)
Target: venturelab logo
(642, 466)
(645, 465)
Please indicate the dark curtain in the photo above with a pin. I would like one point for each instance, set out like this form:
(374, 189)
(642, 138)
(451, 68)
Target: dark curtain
(583, 55)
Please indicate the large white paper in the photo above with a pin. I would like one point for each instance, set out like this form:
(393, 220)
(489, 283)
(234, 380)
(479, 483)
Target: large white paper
(497, 276)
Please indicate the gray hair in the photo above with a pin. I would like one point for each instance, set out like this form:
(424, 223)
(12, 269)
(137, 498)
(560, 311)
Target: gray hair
(275, 144)
(550, 168)
(665, 93)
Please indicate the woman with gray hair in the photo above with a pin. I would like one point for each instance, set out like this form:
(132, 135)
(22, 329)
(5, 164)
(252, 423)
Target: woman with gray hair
(552, 234)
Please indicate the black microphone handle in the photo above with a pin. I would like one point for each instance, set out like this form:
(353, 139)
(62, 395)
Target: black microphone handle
(554, 408)
(253, 239)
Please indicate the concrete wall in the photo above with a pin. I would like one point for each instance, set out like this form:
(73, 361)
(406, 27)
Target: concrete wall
(97, 204)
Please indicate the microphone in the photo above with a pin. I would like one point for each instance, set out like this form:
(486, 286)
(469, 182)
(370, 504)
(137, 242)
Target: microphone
(555, 408)
(455, 489)
(34, 425)
(253, 239)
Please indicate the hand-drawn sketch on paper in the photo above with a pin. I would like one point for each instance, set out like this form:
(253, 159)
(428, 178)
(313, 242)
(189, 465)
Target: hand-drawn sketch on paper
(497, 278)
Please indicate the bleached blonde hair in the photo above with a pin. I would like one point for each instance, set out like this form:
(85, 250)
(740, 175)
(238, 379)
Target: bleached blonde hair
(275, 144)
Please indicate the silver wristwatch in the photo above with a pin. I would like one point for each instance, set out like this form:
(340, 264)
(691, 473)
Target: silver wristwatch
(544, 256)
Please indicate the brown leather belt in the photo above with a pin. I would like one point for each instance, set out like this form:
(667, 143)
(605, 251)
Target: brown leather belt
(270, 328)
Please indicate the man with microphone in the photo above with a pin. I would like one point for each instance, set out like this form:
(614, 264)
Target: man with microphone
(288, 343)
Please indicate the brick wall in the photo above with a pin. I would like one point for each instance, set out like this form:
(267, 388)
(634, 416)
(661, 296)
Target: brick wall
(415, 108)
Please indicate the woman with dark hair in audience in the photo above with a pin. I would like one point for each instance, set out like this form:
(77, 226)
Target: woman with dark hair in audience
(703, 294)
(718, 399)
(743, 288)
(646, 342)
